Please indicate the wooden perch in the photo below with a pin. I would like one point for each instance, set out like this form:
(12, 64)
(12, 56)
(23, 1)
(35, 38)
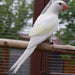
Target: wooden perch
(17, 44)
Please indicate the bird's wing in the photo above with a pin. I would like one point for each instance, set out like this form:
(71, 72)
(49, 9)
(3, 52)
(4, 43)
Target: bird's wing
(45, 24)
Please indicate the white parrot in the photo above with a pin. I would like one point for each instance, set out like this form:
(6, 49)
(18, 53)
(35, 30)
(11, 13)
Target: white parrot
(43, 28)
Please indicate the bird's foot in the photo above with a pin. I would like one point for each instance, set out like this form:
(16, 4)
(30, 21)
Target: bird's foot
(51, 43)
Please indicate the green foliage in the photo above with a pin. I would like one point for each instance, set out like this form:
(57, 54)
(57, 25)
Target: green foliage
(67, 34)
(14, 14)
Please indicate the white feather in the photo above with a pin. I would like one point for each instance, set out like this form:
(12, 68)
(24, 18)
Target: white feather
(31, 47)
(44, 26)
(23, 58)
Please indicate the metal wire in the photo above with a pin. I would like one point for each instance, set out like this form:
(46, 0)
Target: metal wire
(12, 19)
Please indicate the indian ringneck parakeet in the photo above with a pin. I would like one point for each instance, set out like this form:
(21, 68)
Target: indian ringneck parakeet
(43, 28)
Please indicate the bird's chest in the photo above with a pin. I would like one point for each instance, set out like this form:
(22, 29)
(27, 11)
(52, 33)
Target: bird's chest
(50, 26)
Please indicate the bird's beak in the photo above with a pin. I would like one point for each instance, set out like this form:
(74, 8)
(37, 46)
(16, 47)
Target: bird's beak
(65, 7)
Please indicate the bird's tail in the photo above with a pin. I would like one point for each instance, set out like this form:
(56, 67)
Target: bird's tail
(22, 58)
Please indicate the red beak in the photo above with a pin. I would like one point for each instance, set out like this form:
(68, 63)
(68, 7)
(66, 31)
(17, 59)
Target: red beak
(64, 7)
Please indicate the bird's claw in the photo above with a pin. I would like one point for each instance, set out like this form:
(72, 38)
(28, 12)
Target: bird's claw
(51, 43)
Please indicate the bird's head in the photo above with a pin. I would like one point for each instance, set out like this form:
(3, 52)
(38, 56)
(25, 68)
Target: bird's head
(58, 6)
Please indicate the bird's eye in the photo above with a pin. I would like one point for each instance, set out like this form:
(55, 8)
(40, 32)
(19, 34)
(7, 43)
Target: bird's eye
(60, 3)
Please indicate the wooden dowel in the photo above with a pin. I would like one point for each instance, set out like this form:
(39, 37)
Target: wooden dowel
(18, 44)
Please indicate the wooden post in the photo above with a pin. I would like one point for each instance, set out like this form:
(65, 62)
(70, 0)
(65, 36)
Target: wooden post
(38, 68)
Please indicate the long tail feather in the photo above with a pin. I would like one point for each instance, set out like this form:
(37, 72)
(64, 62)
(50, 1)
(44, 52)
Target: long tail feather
(30, 48)
(22, 59)
(17, 62)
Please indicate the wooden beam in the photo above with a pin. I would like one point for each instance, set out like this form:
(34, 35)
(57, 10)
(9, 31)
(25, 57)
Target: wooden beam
(14, 44)
(17, 44)
(66, 49)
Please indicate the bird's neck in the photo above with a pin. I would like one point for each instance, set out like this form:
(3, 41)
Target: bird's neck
(52, 11)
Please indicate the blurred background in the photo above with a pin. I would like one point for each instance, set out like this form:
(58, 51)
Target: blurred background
(16, 20)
